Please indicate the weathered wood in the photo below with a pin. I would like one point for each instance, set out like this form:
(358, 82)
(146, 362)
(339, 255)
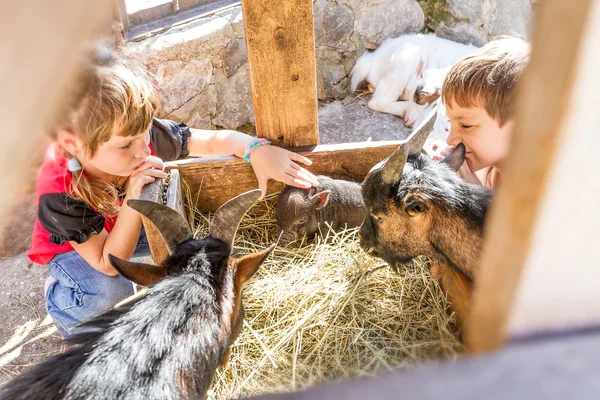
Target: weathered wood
(281, 57)
(154, 192)
(41, 45)
(213, 181)
(551, 89)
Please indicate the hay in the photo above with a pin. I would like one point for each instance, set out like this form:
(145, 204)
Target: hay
(325, 311)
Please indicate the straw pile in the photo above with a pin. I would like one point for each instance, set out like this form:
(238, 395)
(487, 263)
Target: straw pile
(325, 311)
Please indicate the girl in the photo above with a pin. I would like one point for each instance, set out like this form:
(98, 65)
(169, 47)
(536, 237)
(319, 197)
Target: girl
(108, 145)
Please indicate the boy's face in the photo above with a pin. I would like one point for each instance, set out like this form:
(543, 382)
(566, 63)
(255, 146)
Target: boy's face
(486, 141)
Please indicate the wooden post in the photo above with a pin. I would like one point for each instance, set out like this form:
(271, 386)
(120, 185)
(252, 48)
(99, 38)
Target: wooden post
(281, 57)
(42, 42)
(539, 267)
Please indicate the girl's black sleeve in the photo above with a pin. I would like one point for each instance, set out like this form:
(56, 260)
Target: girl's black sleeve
(67, 218)
(169, 140)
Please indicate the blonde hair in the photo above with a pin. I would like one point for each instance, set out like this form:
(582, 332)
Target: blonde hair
(488, 78)
(111, 94)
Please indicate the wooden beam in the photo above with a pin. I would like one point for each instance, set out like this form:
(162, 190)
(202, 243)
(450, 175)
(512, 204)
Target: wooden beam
(281, 56)
(42, 42)
(212, 181)
(542, 162)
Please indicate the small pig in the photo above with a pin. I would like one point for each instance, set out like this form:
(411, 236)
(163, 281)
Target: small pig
(300, 211)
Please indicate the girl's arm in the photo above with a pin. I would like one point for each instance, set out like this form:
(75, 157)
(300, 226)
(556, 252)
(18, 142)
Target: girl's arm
(123, 238)
(268, 162)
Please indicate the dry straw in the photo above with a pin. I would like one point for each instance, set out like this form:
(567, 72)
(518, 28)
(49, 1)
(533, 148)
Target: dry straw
(322, 311)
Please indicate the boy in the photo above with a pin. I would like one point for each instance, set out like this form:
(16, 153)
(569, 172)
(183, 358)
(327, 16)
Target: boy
(479, 94)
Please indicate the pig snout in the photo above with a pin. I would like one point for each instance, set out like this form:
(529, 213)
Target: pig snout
(287, 236)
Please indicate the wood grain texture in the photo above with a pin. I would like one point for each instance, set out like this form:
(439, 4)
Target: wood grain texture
(41, 43)
(542, 106)
(281, 58)
(212, 181)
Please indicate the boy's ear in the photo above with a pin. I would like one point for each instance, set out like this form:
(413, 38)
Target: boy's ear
(456, 159)
(420, 68)
(320, 200)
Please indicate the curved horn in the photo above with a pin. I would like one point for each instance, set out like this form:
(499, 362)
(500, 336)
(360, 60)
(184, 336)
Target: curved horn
(392, 169)
(171, 225)
(227, 218)
(417, 138)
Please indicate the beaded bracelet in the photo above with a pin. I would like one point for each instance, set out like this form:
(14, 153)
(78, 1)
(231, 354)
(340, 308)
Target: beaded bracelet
(252, 146)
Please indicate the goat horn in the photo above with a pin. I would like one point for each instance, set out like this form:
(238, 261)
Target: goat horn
(417, 139)
(393, 166)
(172, 226)
(227, 218)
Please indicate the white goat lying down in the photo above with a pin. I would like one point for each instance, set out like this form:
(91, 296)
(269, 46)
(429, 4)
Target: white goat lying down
(404, 67)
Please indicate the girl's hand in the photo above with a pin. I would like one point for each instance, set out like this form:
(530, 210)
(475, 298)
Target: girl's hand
(146, 173)
(272, 162)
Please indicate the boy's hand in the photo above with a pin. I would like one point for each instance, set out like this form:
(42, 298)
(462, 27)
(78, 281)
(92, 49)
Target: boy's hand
(146, 173)
(467, 174)
(465, 171)
(272, 162)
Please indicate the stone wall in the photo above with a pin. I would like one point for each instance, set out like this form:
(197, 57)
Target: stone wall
(202, 72)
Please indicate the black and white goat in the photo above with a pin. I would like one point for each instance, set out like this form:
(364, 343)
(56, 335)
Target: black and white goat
(167, 343)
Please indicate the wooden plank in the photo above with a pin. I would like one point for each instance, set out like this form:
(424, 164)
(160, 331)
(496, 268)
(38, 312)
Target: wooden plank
(174, 200)
(210, 182)
(281, 56)
(547, 96)
(40, 46)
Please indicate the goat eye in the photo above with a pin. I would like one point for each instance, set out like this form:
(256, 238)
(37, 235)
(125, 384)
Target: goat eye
(415, 208)
(378, 218)
(302, 221)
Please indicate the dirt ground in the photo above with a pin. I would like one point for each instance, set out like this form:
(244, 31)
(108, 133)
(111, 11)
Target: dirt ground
(27, 334)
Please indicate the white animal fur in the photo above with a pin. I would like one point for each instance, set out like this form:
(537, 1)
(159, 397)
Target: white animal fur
(392, 67)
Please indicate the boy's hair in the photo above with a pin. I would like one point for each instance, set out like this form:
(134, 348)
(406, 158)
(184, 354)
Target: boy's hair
(488, 78)
(110, 94)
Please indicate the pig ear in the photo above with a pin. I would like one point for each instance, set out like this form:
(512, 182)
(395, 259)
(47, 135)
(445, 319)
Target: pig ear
(455, 159)
(142, 274)
(320, 199)
(420, 68)
(248, 265)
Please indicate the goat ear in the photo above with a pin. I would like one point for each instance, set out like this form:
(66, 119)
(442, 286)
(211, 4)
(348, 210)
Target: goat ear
(320, 200)
(140, 273)
(420, 68)
(248, 265)
(417, 139)
(391, 171)
(455, 159)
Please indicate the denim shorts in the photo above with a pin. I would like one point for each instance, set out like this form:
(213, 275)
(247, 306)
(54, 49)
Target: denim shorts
(78, 292)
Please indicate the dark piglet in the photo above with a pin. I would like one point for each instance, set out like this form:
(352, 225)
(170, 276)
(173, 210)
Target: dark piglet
(301, 211)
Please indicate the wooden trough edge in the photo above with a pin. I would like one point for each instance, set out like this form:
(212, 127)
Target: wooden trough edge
(211, 181)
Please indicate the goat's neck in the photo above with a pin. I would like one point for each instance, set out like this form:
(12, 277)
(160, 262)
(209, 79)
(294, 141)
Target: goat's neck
(457, 244)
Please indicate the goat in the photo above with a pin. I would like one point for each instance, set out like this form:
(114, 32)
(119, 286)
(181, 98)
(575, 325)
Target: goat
(300, 211)
(418, 206)
(391, 68)
(424, 89)
(167, 343)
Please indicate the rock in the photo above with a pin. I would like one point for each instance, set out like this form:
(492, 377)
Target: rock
(234, 55)
(508, 18)
(180, 82)
(378, 20)
(332, 76)
(234, 102)
(198, 112)
(463, 32)
(334, 24)
(466, 10)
